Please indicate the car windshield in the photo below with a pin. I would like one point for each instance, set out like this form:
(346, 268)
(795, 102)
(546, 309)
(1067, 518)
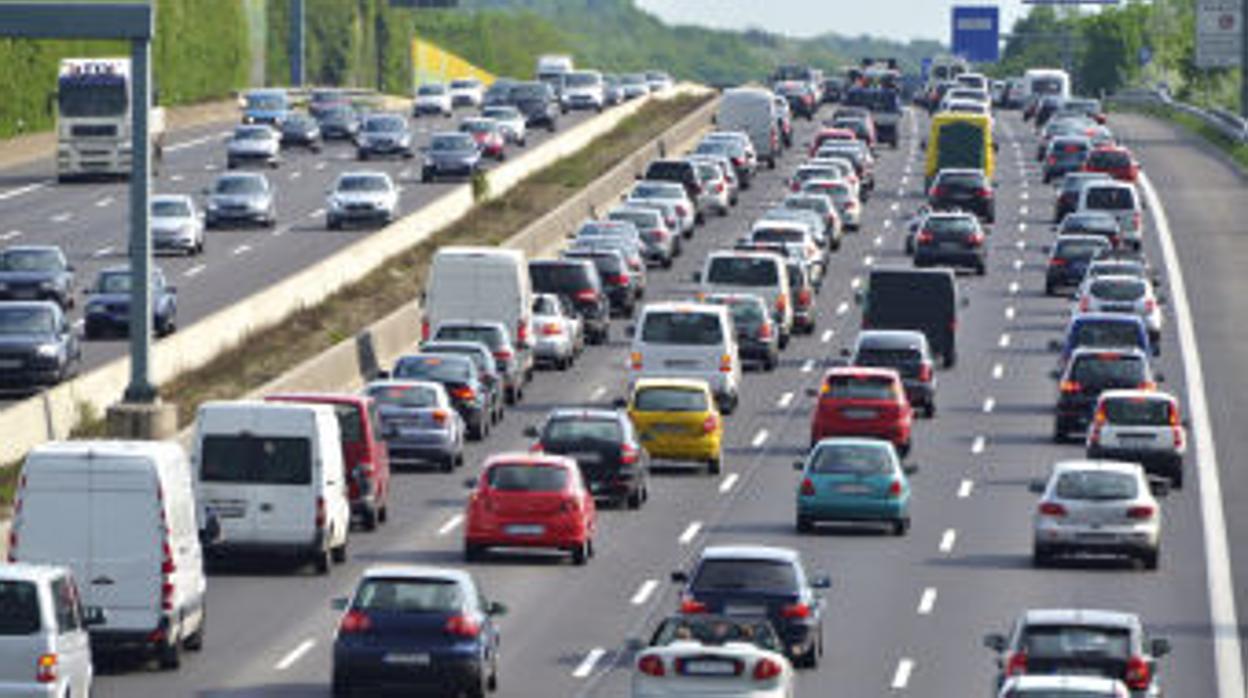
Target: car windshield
(1115, 269)
(682, 327)
(256, 458)
(170, 208)
(563, 277)
(721, 574)
(1139, 411)
(1076, 642)
(783, 235)
(1100, 223)
(1106, 334)
(1109, 159)
(859, 388)
(363, 183)
(647, 190)
(743, 271)
(851, 459)
(1096, 485)
(409, 396)
(491, 337)
(452, 142)
(580, 79)
(582, 429)
(266, 102)
(717, 630)
(26, 321)
(528, 92)
(431, 90)
(464, 84)
(508, 113)
(478, 126)
(30, 260)
(818, 204)
(404, 595)
(113, 282)
(298, 122)
(670, 399)
(240, 185)
(713, 148)
(1110, 198)
(747, 312)
(1078, 249)
(1117, 289)
(19, 608)
(521, 477)
(385, 125)
(478, 353)
(1108, 370)
(1077, 181)
(964, 180)
(434, 368)
(951, 224)
(253, 133)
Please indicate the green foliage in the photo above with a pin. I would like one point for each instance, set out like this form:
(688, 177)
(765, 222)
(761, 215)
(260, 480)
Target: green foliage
(347, 42)
(200, 52)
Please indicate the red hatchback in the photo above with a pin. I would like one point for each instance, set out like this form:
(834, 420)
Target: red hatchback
(1114, 161)
(364, 451)
(861, 401)
(530, 500)
(830, 134)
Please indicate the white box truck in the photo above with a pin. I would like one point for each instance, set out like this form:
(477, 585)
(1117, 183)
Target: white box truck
(93, 119)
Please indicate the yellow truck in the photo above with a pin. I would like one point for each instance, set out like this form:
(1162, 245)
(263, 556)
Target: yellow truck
(959, 140)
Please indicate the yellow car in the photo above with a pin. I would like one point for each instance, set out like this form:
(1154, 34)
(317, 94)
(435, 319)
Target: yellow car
(677, 419)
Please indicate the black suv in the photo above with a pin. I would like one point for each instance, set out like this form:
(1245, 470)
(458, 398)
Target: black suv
(606, 448)
(538, 103)
(1090, 372)
(951, 240)
(578, 281)
(682, 172)
(969, 190)
(612, 268)
(36, 272)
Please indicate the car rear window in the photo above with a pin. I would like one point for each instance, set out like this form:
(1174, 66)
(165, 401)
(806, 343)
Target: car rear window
(434, 368)
(1118, 289)
(19, 609)
(743, 271)
(859, 388)
(745, 575)
(676, 327)
(491, 337)
(1110, 198)
(402, 596)
(408, 396)
(1115, 370)
(905, 360)
(1106, 334)
(527, 478)
(1138, 412)
(1097, 485)
(1078, 249)
(850, 459)
(1075, 641)
(674, 171)
(1110, 158)
(778, 235)
(557, 278)
(581, 429)
(670, 400)
(955, 225)
(717, 630)
(256, 459)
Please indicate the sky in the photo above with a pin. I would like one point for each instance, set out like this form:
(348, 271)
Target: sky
(894, 19)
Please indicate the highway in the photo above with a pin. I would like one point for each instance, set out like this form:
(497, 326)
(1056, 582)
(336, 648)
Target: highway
(905, 615)
(89, 221)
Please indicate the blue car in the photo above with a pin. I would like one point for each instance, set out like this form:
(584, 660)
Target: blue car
(266, 107)
(854, 480)
(1102, 331)
(419, 423)
(416, 631)
(108, 304)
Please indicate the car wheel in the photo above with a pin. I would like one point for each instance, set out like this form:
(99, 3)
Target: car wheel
(903, 450)
(447, 464)
(805, 524)
(901, 526)
(340, 688)
(715, 465)
(473, 552)
(195, 641)
(929, 410)
(169, 655)
(1040, 557)
(1150, 558)
(339, 553)
(580, 554)
(1176, 477)
(383, 513)
(634, 499)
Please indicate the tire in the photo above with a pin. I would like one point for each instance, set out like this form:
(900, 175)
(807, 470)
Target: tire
(479, 431)
(715, 465)
(805, 525)
(634, 499)
(169, 656)
(473, 553)
(580, 554)
(1040, 557)
(903, 450)
(447, 464)
(339, 554)
(1151, 558)
(320, 561)
(195, 641)
(929, 410)
(1176, 477)
(901, 526)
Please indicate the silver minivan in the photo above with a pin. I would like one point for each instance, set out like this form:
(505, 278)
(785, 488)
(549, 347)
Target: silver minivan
(752, 110)
(688, 340)
(44, 646)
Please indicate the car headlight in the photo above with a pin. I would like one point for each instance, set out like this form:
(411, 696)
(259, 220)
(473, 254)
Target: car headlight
(48, 351)
(213, 205)
(335, 202)
(46, 285)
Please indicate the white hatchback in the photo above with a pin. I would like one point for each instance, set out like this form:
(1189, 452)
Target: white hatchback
(1140, 426)
(44, 647)
(707, 655)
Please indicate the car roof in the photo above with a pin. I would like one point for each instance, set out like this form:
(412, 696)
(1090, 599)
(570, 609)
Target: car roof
(404, 383)
(853, 441)
(745, 551)
(418, 572)
(1134, 352)
(455, 344)
(1134, 394)
(1079, 616)
(1098, 465)
(490, 324)
(862, 371)
(326, 398)
(892, 339)
(585, 412)
(527, 458)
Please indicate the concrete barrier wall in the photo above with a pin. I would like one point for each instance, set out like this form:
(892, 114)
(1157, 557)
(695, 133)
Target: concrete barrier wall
(52, 414)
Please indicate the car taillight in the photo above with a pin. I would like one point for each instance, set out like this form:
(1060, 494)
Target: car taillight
(936, 192)
(1052, 509)
(1052, 159)
(660, 234)
(782, 302)
(710, 424)
(680, 210)
(1140, 512)
(1149, 305)
(503, 355)
(808, 487)
(923, 238)
(651, 665)
(587, 295)
(795, 610)
(424, 330)
(1084, 304)
(692, 606)
(355, 622)
(1139, 675)
(925, 372)
(894, 488)
(522, 331)
(725, 363)
(1070, 387)
(45, 668)
(1147, 385)
(1057, 262)
(464, 393)
(738, 162)
(764, 331)
(618, 279)
(550, 329)
(766, 669)
(628, 455)
(634, 360)
(984, 193)
(976, 239)
(320, 513)
(1016, 664)
(569, 505)
(719, 187)
(440, 417)
(461, 625)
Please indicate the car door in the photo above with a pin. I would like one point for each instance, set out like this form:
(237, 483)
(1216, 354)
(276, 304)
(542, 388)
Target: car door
(73, 646)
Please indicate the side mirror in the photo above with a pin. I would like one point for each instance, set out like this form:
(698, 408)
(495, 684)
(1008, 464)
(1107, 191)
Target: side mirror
(1037, 486)
(1159, 486)
(339, 603)
(470, 483)
(1047, 249)
(495, 608)
(679, 577)
(995, 642)
(630, 331)
(821, 581)
(94, 616)
(845, 352)
(966, 301)
(383, 374)
(812, 392)
(1159, 647)
(799, 465)
(210, 534)
(171, 289)
(1161, 377)
(531, 432)
(911, 469)
(69, 267)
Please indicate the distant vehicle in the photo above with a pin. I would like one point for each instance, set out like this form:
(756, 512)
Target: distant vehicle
(1140, 426)
(461, 379)
(926, 300)
(254, 144)
(108, 304)
(419, 423)
(510, 120)
(659, 81)
(47, 648)
(93, 117)
(1116, 162)
(303, 131)
(763, 273)
(267, 106)
(753, 112)
(606, 447)
(478, 284)
(37, 345)
(612, 90)
(539, 104)
(322, 100)
(688, 340)
(1090, 372)
(634, 85)
(36, 272)
(467, 92)
(488, 371)
(339, 122)
(1128, 294)
(553, 64)
(964, 189)
(513, 363)
(557, 328)
(1069, 259)
(432, 98)
(905, 351)
(367, 197)
(1068, 192)
(382, 135)
(1103, 331)
(959, 141)
(583, 89)
(1120, 199)
(757, 338)
(862, 401)
(1065, 154)
(1042, 82)
(450, 154)
(499, 93)
(579, 281)
(489, 136)
(241, 198)
(176, 224)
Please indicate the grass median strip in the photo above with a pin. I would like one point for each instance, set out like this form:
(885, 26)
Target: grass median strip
(273, 351)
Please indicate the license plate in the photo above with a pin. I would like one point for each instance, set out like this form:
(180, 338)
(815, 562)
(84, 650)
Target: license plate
(409, 659)
(860, 414)
(745, 610)
(1098, 537)
(525, 529)
(23, 293)
(10, 363)
(585, 457)
(853, 489)
(667, 428)
(229, 510)
(950, 246)
(1137, 438)
(680, 363)
(709, 667)
(411, 432)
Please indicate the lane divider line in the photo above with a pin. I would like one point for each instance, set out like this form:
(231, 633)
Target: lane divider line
(294, 655)
(989, 405)
(997, 371)
(785, 400)
(977, 446)
(1004, 341)
(729, 481)
(964, 489)
(760, 438)
(644, 591)
(691, 532)
(947, 540)
(451, 524)
(827, 336)
(927, 601)
(586, 667)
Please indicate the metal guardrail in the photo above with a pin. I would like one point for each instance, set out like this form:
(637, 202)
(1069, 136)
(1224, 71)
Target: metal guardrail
(1225, 122)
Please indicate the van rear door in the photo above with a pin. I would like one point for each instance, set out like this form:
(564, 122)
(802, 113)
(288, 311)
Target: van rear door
(126, 534)
(263, 485)
(53, 521)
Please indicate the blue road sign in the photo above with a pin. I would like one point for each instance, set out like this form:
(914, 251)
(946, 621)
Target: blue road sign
(925, 67)
(977, 33)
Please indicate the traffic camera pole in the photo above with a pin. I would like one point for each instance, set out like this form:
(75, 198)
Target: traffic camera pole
(140, 390)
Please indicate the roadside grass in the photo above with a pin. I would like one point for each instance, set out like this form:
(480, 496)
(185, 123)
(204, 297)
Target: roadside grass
(271, 352)
(1237, 151)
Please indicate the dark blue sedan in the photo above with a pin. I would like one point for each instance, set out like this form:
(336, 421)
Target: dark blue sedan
(419, 631)
(108, 304)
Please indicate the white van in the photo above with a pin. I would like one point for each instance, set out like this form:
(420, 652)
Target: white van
(122, 516)
(554, 63)
(688, 340)
(752, 110)
(1120, 200)
(1041, 82)
(272, 474)
(44, 647)
(760, 273)
(482, 283)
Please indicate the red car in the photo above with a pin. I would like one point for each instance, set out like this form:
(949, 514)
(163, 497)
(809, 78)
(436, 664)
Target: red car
(364, 453)
(862, 401)
(830, 134)
(1114, 161)
(488, 135)
(530, 500)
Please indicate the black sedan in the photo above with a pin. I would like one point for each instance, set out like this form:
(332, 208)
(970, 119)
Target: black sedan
(108, 304)
(37, 346)
(302, 131)
(36, 272)
(606, 448)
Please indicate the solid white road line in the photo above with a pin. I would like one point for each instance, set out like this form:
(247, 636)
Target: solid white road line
(691, 532)
(989, 405)
(827, 336)
(964, 489)
(194, 271)
(997, 371)
(451, 524)
(644, 591)
(785, 400)
(295, 655)
(901, 678)
(977, 446)
(586, 667)
(241, 249)
(1227, 658)
(22, 190)
(728, 482)
(760, 438)
(947, 540)
(927, 601)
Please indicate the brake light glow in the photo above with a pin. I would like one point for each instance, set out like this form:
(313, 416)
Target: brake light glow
(628, 455)
(764, 331)
(725, 363)
(894, 488)
(635, 360)
(782, 302)
(925, 372)
(795, 610)
(618, 279)
(976, 239)
(424, 330)
(1070, 387)
(1139, 675)
(550, 329)
(522, 331)
(808, 488)
(1052, 509)
(45, 668)
(355, 622)
(924, 237)
(692, 606)
(503, 355)
(587, 295)
(440, 417)
(710, 424)
(766, 669)
(651, 665)
(461, 625)
(1140, 512)
(464, 393)
(803, 297)
(1016, 664)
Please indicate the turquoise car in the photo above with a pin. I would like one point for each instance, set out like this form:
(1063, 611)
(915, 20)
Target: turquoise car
(855, 480)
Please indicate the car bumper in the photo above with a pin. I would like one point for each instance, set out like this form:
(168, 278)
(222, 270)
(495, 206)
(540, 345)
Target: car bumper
(370, 215)
(235, 159)
(247, 215)
(422, 447)
(666, 687)
(547, 349)
(178, 243)
(1104, 539)
(852, 509)
(445, 673)
(684, 448)
(1156, 462)
(920, 393)
(898, 435)
(555, 535)
(102, 324)
(924, 258)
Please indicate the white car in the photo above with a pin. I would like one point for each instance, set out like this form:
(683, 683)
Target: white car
(1122, 294)
(648, 191)
(559, 331)
(1062, 687)
(361, 197)
(842, 194)
(703, 654)
(467, 92)
(583, 89)
(44, 648)
(176, 224)
(432, 98)
(1140, 426)
(1102, 507)
(510, 120)
(256, 143)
